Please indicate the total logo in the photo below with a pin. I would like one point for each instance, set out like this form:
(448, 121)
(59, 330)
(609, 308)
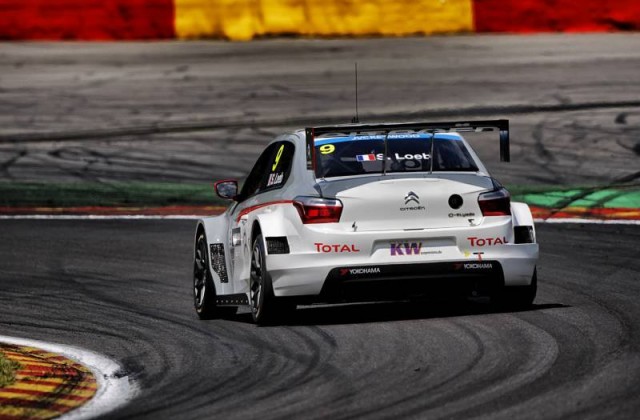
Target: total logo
(357, 271)
(339, 248)
(475, 241)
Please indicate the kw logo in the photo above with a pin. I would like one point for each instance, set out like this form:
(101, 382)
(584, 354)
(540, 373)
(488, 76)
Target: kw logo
(405, 248)
(411, 196)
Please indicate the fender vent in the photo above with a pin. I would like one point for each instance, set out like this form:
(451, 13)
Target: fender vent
(277, 245)
(523, 234)
(217, 262)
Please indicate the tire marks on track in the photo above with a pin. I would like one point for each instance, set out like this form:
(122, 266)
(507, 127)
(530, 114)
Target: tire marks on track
(574, 355)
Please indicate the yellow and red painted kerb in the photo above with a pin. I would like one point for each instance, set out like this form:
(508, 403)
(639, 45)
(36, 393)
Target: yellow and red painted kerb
(248, 19)
(46, 384)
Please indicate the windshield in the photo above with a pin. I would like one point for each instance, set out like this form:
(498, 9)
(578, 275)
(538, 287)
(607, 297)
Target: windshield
(363, 154)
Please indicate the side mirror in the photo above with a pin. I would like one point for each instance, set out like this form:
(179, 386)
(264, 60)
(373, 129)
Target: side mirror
(227, 189)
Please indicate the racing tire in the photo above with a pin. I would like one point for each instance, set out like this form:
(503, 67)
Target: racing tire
(204, 292)
(262, 300)
(516, 297)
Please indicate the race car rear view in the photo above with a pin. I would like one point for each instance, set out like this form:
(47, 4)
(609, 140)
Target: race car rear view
(366, 212)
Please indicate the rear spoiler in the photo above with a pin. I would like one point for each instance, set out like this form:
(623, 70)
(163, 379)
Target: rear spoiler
(502, 126)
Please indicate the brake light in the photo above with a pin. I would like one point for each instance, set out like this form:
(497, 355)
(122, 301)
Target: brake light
(495, 203)
(318, 210)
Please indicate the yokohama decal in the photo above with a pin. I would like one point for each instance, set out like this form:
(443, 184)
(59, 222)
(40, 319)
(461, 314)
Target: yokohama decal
(357, 271)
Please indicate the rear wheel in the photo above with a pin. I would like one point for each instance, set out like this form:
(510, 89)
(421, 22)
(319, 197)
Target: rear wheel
(204, 293)
(516, 297)
(265, 307)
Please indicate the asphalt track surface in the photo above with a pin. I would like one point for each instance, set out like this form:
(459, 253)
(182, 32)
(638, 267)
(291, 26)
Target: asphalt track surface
(122, 288)
(199, 111)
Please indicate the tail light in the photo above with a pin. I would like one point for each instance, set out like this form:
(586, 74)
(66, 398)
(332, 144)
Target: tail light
(318, 210)
(495, 203)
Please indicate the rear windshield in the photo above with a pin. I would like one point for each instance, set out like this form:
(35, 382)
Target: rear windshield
(357, 155)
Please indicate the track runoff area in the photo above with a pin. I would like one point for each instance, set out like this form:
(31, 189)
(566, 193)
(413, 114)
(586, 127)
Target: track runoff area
(596, 206)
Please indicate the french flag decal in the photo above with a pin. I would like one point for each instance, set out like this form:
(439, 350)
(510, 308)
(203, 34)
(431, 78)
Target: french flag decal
(365, 158)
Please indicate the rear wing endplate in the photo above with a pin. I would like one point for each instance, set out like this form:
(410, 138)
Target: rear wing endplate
(502, 126)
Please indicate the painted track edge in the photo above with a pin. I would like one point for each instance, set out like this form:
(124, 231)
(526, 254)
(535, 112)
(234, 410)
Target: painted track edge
(114, 389)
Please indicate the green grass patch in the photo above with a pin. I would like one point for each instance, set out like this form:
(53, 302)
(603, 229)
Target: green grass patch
(128, 194)
(8, 370)
(156, 194)
(624, 196)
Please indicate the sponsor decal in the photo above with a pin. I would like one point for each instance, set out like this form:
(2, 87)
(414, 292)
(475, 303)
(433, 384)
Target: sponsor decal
(431, 252)
(479, 254)
(405, 248)
(478, 266)
(367, 158)
(410, 248)
(462, 214)
(340, 248)
(475, 241)
(277, 159)
(473, 266)
(275, 179)
(403, 134)
(412, 197)
(408, 156)
(327, 149)
(413, 208)
(358, 271)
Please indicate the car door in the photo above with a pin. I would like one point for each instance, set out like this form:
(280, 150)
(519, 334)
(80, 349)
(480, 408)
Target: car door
(268, 175)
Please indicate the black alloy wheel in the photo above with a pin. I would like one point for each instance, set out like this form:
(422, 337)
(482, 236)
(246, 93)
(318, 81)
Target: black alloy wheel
(261, 289)
(204, 293)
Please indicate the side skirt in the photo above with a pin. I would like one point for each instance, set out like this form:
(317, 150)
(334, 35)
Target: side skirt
(232, 300)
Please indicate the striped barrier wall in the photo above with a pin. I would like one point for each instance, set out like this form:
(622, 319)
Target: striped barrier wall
(248, 19)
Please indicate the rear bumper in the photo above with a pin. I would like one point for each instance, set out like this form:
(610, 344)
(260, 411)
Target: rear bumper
(328, 275)
(411, 280)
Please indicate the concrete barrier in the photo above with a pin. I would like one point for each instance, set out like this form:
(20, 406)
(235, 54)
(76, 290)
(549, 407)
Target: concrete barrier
(248, 19)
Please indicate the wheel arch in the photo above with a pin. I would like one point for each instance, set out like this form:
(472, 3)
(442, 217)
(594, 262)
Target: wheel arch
(522, 216)
(268, 224)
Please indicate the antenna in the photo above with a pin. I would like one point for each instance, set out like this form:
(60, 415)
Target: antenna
(355, 119)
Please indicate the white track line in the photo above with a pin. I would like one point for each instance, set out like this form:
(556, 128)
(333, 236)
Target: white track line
(195, 217)
(114, 390)
(97, 217)
(590, 221)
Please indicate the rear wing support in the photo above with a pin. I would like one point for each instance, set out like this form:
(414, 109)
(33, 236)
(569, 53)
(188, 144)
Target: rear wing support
(502, 126)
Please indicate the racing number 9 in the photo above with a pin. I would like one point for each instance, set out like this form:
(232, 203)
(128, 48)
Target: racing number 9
(275, 163)
(327, 149)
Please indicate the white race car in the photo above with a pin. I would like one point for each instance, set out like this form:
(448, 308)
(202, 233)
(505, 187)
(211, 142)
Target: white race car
(366, 212)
